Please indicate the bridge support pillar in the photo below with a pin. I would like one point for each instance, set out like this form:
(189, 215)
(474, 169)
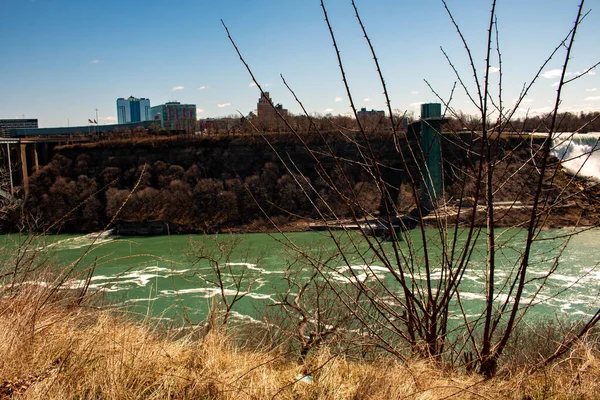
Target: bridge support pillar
(24, 172)
(10, 171)
(36, 161)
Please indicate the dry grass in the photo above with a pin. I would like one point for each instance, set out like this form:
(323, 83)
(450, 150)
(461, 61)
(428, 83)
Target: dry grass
(52, 351)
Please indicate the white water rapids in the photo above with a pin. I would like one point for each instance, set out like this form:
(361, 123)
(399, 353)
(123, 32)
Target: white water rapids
(579, 153)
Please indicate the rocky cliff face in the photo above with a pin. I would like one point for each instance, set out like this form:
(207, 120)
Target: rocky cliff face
(206, 184)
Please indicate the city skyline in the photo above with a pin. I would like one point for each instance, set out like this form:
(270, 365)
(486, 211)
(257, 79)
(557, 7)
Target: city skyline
(63, 59)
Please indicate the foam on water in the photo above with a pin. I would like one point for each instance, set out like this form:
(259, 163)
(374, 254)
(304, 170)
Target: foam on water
(260, 296)
(570, 281)
(579, 153)
(122, 281)
(253, 267)
(370, 267)
(91, 239)
(471, 296)
(210, 292)
(245, 318)
(137, 278)
(206, 293)
(343, 274)
(140, 300)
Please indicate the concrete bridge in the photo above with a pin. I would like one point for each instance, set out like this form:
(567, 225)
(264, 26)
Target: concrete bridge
(26, 149)
(22, 156)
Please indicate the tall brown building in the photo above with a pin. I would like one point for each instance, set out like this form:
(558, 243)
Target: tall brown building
(265, 111)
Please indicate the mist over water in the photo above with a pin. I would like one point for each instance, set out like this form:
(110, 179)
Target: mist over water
(579, 153)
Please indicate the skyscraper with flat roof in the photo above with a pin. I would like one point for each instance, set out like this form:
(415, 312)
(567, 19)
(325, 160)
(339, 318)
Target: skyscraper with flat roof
(133, 110)
(174, 115)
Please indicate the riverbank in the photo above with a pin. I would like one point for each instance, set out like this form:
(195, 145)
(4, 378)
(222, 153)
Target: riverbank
(582, 213)
(510, 214)
(58, 349)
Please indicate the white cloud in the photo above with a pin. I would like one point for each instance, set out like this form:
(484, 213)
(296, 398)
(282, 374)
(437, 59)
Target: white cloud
(576, 108)
(572, 108)
(591, 90)
(177, 88)
(108, 119)
(203, 87)
(534, 111)
(94, 61)
(414, 92)
(264, 85)
(199, 110)
(555, 84)
(553, 73)
(368, 99)
(338, 99)
(223, 105)
(556, 73)
(417, 104)
(591, 72)
(328, 110)
(593, 98)
(493, 70)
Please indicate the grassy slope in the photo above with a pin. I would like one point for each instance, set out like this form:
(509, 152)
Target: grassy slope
(54, 350)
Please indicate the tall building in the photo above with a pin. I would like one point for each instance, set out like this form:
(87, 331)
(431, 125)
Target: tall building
(364, 113)
(265, 111)
(174, 115)
(7, 125)
(133, 110)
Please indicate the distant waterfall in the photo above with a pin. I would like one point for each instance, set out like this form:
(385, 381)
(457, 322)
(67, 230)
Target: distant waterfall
(579, 153)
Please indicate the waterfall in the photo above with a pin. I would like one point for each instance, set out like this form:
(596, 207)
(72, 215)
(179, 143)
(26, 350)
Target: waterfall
(579, 153)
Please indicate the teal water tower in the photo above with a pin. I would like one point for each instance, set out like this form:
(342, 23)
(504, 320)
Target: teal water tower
(431, 144)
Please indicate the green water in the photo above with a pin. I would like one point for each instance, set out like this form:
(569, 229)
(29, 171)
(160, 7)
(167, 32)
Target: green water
(174, 276)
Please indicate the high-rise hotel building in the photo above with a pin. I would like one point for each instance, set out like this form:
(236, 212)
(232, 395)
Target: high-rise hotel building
(133, 110)
(174, 115)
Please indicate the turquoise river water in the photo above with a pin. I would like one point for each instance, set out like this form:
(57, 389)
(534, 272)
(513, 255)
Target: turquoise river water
(173, 276)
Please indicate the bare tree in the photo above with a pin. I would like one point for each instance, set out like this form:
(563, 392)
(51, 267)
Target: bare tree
(414, 301)
(233, 281)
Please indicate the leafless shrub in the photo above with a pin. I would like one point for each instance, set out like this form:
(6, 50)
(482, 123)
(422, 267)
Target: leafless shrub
(417, 301)
(214, 264)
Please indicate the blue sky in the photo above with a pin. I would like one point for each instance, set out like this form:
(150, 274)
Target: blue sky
(62, 59)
